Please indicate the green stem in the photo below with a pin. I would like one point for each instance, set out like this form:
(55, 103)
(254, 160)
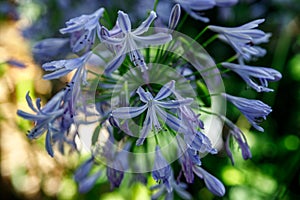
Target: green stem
(155, 5)
(210, 40)
(182, 21)
(201, 33)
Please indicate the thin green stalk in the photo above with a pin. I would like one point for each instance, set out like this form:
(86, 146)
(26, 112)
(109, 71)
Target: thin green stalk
(210, 40)
(155, 5)
(182, 21)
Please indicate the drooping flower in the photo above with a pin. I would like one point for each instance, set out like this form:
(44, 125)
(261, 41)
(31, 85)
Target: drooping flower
(82, 177)
(154, 106)
(178, 187)
(211, 182)
(44, 115)
(83, 30)
(254, 110)
(130, 41)
(162, 171)
(244, 38)
(194, 7)
(63, 67)
(249, 73)
(239, 137)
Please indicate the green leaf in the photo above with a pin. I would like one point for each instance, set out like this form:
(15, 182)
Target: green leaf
(96, 134)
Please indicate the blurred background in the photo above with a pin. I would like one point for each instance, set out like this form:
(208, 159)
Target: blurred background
(27, 172)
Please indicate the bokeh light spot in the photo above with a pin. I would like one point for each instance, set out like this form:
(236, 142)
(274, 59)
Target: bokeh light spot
(232, 176)
(291, 142)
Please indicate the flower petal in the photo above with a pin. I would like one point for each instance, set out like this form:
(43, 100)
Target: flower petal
(48, 144)
(165, 91)
(155, 39)
(175, 103)
(124, 22)
(128, 112)
(114, 64)
(145, 25)
(147, 127)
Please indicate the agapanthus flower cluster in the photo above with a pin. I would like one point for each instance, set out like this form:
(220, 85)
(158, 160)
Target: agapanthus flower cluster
(144, 114)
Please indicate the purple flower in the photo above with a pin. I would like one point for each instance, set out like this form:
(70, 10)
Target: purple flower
(83, 30)
(154, 106)
(82, 177)
(240, 139)
(162, 170)
(178, 187)
(211, 182)
(63, 67)
(244, 38)
(249, 73)
(253, 110)
(130, 41)
(194, 7)
(45, 116)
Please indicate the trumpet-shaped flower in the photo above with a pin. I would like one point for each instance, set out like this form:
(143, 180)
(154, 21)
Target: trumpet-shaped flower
(244, 38)
(44, 116)
(162, 170)
(211, 182)
(130, 41)
(239, 137)
(254, 110)
(83, 30)
(194, 7)
(249, 73)
(154, 106)
(63, 67)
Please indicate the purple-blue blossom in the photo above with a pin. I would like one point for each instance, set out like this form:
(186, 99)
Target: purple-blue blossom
(239, 137)
(83, 30)
(63, 67)
(254, 110)
(250, 73)
(82, 177)
(244, 39)
(44, 115)
(154, 106)
(131, 41)
(211, 182)
(162, 171)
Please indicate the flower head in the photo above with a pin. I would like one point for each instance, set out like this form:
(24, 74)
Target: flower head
(154, 106)
(130, 41)
(83, 30)
(211, 182)
(248, 73)
(253, 110)
(63, 67)
(244, 38)
(44, 116)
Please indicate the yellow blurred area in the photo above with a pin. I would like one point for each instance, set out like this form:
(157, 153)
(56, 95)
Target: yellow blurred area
(25, 169)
